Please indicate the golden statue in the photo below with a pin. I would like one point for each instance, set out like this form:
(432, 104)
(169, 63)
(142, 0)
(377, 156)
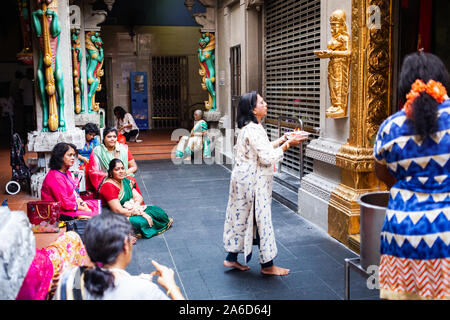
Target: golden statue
(339, 65)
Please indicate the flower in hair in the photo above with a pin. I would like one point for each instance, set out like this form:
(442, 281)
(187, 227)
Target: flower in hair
(433, 88)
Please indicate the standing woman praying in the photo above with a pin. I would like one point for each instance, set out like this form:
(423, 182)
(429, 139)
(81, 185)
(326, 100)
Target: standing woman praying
(249, 215)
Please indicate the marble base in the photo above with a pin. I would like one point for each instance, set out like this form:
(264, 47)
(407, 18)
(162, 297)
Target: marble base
(316, 188)
(83, 118)
(212, 115)
(17, 250)
(39, 141)
(323, 150)
(313, 198)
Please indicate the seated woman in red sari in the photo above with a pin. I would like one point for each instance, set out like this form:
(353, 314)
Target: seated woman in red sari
(102, 155)
(122, 197)
(59, 185)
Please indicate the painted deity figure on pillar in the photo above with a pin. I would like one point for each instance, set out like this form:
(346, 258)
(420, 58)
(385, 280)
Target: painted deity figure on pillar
(77, 56)
(339, 65)
(206, 59)
(94, 48)
(26, 55)
(49, 73)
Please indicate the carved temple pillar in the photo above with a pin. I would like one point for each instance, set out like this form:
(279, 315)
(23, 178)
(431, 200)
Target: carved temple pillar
(54, 101)
(90, 68)
(370, 104)
(206, 59)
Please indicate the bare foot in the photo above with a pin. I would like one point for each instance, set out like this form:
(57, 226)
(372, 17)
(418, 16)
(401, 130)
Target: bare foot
(275, 271)
(235, 265)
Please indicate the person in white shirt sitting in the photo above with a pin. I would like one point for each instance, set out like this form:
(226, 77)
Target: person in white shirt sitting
(125, 124)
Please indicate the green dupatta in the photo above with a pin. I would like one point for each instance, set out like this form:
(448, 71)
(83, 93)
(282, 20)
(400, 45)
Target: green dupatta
(161, 222)
(126, 192)
(105, 157)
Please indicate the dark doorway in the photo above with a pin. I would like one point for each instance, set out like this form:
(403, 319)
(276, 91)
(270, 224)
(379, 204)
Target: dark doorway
(169, 90)
(422, 24)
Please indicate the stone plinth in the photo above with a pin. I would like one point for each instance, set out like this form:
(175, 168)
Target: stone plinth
(17, 250)
(83, 118)
(45, 141)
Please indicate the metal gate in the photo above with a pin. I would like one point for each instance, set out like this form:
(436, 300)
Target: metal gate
(292, 72)
(169, 90)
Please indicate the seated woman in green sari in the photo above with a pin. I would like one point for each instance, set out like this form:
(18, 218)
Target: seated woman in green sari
(122, 197)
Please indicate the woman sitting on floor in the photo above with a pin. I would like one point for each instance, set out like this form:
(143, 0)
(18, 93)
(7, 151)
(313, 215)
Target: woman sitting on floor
(49, 263)
(102, 155)
(122, 197)
(59, 185)
(109, 245)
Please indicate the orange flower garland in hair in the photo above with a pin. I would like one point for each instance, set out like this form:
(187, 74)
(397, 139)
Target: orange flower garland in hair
(433, 88)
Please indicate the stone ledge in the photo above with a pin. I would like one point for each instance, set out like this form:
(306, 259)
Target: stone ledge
(323, 150)
(39, 141)
(83, 118)
(318, 186)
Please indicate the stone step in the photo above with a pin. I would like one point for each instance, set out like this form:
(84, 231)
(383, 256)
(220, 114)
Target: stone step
(151, 156)
(285, 195)
(151, 149)
(287, 180)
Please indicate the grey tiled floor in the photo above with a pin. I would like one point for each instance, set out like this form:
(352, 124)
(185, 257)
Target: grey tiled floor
(196, 197)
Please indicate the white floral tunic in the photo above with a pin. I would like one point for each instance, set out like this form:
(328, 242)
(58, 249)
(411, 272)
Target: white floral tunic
(251, 181)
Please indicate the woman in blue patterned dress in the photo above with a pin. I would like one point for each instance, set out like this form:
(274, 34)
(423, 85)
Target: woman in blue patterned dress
(412, 152)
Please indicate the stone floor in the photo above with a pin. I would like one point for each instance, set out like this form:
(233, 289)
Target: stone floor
(196, 197)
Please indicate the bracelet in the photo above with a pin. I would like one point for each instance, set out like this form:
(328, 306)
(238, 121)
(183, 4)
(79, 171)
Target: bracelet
(169, 292)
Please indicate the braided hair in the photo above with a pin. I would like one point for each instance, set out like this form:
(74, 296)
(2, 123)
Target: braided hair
(104, 239)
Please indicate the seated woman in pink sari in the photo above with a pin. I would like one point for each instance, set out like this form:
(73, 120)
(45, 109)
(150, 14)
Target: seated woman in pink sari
(59, 185)
(49, 263)
(102, 155)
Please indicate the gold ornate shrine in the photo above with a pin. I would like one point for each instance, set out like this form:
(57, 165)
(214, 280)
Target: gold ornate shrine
(370, 104)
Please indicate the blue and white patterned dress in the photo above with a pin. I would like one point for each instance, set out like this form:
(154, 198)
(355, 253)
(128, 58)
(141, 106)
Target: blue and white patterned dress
(415, 237)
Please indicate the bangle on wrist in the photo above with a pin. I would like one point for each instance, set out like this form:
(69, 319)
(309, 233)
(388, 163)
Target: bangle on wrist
(169, 291)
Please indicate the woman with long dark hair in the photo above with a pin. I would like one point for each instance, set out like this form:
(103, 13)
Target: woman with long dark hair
(60, 185)
(109, 243)
(125, 123)
(412, 152)
(122, 197)
(249, 204)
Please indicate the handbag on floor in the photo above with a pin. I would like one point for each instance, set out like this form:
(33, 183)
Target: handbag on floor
(43, 216)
